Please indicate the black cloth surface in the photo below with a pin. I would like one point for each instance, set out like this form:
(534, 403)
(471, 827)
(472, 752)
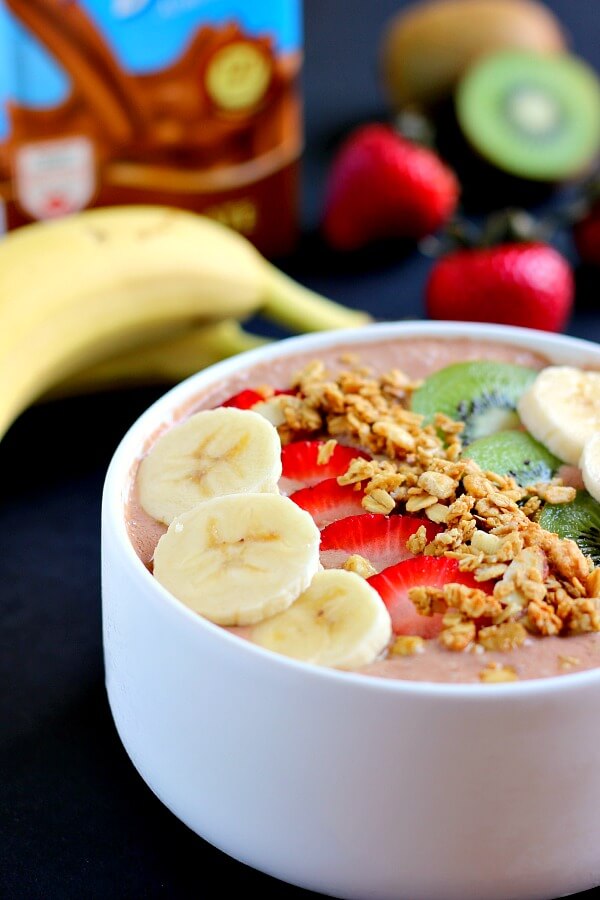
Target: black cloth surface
(75, 818)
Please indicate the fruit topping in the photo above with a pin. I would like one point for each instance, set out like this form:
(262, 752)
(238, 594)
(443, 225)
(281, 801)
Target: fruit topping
(382, 540)
(329, 501)
(579, 521)
(339, 621)
(214, 452)
(590, 465)
(561, 409)
(267, 404)
(482, 394)
(312, 461)
(394, 584)
(514, 453)
(238, 559)
(244, 399)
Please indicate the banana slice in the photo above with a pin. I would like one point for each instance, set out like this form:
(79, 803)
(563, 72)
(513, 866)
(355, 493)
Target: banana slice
(590, 465)
(562, 410)
(215, 452)
(340, 621)
(272, 409)
(238, 559)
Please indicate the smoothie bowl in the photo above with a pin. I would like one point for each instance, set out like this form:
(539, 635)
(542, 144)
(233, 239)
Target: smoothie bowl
(368, 664)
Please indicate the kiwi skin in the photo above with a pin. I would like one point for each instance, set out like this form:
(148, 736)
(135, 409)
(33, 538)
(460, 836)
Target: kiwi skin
(579, 521)
(427, 47)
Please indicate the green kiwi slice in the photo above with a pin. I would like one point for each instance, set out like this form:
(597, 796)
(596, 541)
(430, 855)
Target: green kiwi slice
(533, 116)
(483, 394)
(514, 453)
(579, 520)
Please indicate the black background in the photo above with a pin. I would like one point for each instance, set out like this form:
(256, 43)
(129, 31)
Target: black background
(76, 819)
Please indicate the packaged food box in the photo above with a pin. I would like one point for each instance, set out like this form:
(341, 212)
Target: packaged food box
(193, 103)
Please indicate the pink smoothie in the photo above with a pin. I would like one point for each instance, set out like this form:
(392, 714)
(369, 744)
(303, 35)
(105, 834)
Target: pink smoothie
(418, 358)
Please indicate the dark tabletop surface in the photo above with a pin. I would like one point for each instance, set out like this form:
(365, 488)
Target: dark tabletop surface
(75, 818)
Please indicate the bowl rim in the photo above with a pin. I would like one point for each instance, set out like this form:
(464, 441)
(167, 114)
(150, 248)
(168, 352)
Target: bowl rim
(163, 411)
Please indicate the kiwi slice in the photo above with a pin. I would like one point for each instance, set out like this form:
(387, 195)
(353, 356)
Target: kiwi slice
(514, 453)
(537, 117)
(483, 394)
(579, 520)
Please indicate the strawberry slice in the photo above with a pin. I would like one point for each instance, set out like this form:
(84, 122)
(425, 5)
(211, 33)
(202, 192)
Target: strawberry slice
(244, 400)
(300, 461)
(380, 539)
(248, 398)
(329, 501)
(393, 585)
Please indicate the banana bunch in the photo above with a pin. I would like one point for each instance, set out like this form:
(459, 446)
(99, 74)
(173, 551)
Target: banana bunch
(133, 294)
(168, 360)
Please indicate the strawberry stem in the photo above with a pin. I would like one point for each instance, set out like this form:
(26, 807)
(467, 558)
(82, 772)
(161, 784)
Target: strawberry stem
(415, 126)
(510, 226)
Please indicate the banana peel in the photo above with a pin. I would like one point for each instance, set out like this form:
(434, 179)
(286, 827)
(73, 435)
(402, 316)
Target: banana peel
(80, 290)
(167, 361)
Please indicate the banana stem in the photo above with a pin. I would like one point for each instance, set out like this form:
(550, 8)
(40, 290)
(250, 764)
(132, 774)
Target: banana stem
(300, 309)
(167, 361)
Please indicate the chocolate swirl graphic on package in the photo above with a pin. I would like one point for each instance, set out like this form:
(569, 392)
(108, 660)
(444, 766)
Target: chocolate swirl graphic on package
(69, 34)
(217, 131)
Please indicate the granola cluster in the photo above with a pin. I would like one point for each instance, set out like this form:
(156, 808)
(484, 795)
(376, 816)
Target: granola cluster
(532, 581)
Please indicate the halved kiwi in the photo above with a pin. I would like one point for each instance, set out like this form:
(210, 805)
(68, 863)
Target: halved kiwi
(579, 520)
(537, 117)
(428, 45)
(514, 453)
(482, 394)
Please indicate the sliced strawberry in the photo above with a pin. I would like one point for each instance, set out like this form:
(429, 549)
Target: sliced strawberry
(244, 400)
(329, 501)
(300, 461)
(248, 398)
(393, 585)
(380, 539)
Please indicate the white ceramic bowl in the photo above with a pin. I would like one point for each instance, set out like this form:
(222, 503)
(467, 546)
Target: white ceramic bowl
(354, 786)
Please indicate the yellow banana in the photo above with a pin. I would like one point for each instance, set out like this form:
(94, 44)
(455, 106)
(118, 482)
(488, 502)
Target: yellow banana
(81, 289)
(163, 362)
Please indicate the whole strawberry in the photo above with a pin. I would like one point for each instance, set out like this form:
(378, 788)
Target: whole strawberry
(382, 185)
(528, 284)
(587, 236)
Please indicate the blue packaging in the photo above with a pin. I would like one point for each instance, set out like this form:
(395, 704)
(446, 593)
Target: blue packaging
(193, 103)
